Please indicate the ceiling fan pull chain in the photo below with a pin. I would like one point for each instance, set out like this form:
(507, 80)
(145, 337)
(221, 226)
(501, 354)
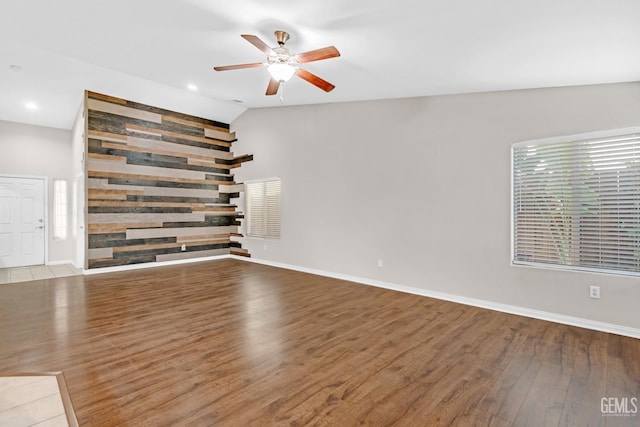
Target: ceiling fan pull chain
(282, 93)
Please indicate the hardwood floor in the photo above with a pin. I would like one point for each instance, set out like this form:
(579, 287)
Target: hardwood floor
(233, 343)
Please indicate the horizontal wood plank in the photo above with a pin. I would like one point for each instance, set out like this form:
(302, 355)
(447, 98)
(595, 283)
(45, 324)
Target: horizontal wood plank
(191, 255)
(109, 158)
(224, 136)
(121, 110)
(121, 227)
(108, 136)
(160, 132)
(179, 232)
(101, 174)
(109, 194)
(206, 160)
(194, 124)
(112, 99)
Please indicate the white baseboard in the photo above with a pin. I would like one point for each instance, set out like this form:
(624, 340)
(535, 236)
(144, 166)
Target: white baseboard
(68, 261)
(505, 308)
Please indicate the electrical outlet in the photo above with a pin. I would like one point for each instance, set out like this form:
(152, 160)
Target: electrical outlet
(594, 291)
(183, 247)
(380, 263)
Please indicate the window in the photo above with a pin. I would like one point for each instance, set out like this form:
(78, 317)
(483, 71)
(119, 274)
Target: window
(576, 202)
(263, 208)
(59, 209)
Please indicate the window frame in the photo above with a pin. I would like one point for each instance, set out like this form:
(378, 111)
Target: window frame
(558, 139)
(247, 211)
(60, 209)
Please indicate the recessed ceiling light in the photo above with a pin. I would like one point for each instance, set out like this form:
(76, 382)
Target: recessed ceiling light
(31, 106)
(16, 68)
(192, 87)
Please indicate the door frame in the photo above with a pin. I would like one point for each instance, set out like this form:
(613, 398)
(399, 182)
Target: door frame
(79, 221)
(46, 207)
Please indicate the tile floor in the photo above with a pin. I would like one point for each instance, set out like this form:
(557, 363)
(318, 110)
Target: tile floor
(37, 272)
(33, 400)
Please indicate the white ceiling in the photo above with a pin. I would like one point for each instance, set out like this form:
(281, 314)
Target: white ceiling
(150, 50)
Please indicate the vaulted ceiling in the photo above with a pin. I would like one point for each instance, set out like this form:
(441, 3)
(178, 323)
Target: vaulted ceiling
(151, 51)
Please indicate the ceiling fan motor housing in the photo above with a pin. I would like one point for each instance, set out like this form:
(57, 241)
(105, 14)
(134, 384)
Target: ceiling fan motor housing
(282, 55)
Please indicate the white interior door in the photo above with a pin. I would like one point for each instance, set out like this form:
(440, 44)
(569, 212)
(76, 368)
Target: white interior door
(22, 227)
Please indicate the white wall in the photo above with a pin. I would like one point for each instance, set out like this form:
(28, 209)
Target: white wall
(78, 185)
(39, 151)
(424, 184)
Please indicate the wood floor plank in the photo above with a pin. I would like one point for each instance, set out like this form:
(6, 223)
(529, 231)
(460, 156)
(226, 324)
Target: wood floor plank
(623, 379)
(235, 343)
(505, 396)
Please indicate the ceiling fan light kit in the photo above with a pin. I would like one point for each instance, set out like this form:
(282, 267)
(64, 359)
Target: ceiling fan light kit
(281, 72)
(282, 63)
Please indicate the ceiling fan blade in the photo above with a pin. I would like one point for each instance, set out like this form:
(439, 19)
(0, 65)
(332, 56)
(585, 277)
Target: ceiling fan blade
(273, 87)
(238, 66)
(318, 54)
(255, 40)
(315, 80)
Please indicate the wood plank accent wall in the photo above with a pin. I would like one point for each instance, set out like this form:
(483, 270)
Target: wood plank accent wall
(157, 180)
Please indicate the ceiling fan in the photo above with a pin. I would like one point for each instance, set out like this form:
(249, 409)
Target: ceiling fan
(282, 63)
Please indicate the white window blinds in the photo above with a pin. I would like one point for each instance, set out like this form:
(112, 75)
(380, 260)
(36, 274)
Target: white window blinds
(59, 209)
(263, 209)
(576, 203)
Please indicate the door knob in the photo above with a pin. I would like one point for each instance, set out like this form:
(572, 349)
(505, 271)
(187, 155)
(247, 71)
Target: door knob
(41, 227)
